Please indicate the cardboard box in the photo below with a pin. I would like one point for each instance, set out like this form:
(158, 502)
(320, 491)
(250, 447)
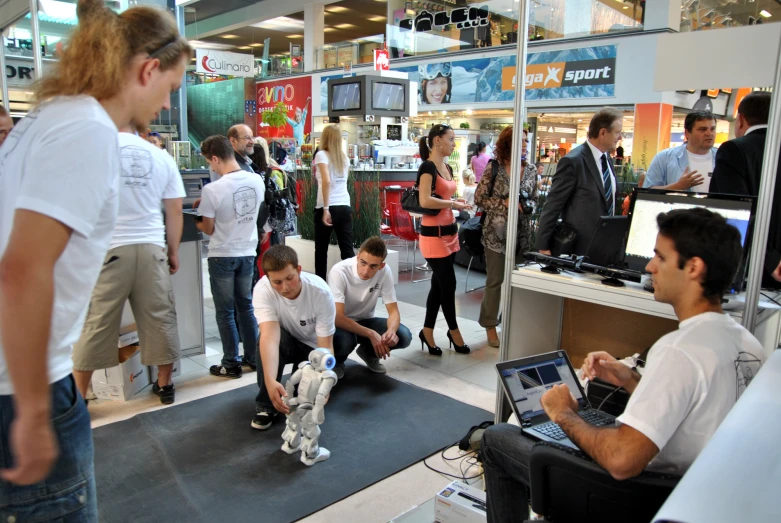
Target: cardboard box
(123, 381)
(128, 335)
(460, 503)
(176, 372)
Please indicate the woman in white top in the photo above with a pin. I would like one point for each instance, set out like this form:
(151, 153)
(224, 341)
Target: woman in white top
(470, 185)
(332, 211)
(58, 207)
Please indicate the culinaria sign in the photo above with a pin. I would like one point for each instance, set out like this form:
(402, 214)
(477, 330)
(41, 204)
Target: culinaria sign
(224, 63)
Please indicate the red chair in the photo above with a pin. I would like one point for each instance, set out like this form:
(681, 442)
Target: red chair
(403, 227)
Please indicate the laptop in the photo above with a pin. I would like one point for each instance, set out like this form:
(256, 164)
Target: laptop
(525, 380)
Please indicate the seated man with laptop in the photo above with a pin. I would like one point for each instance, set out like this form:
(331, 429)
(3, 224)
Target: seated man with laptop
(692, 379)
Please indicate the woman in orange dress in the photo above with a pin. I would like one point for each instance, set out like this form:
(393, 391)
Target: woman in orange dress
(439, 234)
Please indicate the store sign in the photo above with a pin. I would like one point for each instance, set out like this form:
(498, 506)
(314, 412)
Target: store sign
(296, 94)
(224, 63)
(462, 18)
(19, 72)
(563, 74)
(381, 60)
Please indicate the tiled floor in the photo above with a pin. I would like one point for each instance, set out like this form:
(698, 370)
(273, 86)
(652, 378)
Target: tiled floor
(467, 378)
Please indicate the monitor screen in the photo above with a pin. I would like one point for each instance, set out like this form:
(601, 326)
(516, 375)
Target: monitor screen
(387, 96)
(346, 97)
(526, 383)
(648, 204)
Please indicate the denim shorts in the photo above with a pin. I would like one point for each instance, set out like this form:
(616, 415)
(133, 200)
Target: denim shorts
(68, 495)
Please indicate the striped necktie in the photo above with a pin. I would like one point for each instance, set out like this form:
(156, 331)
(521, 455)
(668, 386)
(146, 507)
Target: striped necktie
(608, 184)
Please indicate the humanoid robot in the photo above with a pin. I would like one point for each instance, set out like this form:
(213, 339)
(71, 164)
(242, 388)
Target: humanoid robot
(315, 379)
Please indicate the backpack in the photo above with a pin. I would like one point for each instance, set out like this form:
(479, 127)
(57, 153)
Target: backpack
(281, 210)
(472, 235)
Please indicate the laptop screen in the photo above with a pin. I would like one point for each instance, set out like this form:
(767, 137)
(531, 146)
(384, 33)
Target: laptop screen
(527, 379)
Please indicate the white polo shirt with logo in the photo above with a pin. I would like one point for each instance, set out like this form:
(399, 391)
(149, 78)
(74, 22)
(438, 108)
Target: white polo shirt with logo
(360, 296)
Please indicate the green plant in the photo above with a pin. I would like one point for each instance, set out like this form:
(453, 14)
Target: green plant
(277, 117)
(464, 125)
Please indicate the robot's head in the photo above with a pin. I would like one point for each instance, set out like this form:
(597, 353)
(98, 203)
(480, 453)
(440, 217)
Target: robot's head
(321, 359)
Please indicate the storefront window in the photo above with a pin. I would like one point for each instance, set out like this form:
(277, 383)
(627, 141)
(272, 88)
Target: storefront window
(426, 27)
(703, 15)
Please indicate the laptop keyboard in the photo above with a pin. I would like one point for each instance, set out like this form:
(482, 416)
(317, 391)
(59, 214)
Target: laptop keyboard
(554, 432)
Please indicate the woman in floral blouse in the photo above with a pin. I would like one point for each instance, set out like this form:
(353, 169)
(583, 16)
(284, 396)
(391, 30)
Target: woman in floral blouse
(494, 204)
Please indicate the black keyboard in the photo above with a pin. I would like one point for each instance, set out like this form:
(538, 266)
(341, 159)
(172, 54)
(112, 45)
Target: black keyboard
(592, 417)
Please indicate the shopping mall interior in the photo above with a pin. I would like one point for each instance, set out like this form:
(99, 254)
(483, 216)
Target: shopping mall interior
(405, 440)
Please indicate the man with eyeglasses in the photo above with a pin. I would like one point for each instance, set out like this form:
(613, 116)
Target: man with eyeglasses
(6, 124)
(243, 143)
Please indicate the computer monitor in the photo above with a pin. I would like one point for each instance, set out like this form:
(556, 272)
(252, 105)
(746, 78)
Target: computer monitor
(647, 204)
(607, 243)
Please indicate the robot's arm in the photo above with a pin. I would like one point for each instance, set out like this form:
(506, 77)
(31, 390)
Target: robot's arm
(328, 381)
(295, 379)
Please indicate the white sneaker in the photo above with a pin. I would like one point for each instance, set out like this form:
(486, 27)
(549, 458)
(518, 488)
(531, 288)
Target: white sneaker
(371, 360)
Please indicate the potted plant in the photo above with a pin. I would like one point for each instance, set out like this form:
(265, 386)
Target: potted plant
(276, 118)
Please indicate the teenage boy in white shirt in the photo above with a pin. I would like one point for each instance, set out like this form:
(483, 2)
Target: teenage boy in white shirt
(357, 283)
(229, 210)
(692, 379)
(143, 254)
(296, 314)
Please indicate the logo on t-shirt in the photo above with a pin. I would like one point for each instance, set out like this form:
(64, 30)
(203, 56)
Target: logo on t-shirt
(375, 288)
(310, 321)
(137, 164)
(245, 203)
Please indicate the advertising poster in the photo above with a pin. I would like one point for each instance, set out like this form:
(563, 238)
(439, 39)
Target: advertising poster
(652, 132)
(296, 94)
(588, 72)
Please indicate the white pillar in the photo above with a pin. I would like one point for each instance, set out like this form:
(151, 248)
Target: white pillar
(663, 14)
(314, 24)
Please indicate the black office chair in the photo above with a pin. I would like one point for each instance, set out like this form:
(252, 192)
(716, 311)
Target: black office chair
(567, 486)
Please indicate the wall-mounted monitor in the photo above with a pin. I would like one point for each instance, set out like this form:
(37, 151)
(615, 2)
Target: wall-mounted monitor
(369, 95)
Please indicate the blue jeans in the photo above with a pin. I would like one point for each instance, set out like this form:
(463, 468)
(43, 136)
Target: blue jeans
(505, 452)
(68, 494)
(231, 284)
(345, 342)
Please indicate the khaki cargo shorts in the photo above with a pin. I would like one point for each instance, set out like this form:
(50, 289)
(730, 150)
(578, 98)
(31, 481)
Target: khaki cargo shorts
(138, 273)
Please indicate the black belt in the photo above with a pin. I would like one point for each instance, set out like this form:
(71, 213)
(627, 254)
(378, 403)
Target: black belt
(437, 231)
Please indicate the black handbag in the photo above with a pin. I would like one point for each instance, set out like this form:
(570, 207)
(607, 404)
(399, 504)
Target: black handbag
(564, 238)
(410, 198)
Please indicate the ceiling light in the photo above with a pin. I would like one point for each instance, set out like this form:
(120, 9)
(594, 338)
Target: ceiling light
(344, 26)
(444, 113)
(509, 10)
(469, 112)
(430, 113)
(336, 9)
(229, 36)
(626, 7)
(281, 23)
(765, 14)
(244, 47)
(329, 29)
(256, 45)
(295, 36)
(376, 19)
(200, 44)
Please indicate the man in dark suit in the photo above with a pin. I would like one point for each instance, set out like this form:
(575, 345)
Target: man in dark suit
(584, 186)
(739, 166)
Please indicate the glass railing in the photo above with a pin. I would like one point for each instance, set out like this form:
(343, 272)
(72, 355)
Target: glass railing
(704, 15)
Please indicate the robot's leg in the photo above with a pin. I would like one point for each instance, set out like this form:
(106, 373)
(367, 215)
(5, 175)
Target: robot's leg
(292, 432)
(311, 452)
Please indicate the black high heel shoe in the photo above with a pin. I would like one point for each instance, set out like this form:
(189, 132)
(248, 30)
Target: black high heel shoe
(461, 349)
(434, 351)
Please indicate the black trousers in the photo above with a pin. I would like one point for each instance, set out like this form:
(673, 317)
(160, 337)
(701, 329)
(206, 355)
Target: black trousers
(442, 293)
(342, 219)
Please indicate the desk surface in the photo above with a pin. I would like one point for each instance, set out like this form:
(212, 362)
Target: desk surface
(589, 287)
(736, 476)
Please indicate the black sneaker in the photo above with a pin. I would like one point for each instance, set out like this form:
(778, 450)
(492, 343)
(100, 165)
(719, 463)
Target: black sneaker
(245, 363)
(225, 372)
(166, 393)
(264, 419)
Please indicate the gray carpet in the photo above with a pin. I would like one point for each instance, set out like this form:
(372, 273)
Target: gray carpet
(201, 461)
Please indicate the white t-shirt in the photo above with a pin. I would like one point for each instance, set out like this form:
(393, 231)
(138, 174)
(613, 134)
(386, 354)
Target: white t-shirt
(338, 194)
(689, 385)
(310, 315)
(703, 164)
(62, 161)
(233, 201)
(148, 176)
(359, 296)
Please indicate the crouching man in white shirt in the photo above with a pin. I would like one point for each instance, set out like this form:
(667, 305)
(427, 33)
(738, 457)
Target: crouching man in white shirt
(295, 313)
(693, 377)
(357, 283)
